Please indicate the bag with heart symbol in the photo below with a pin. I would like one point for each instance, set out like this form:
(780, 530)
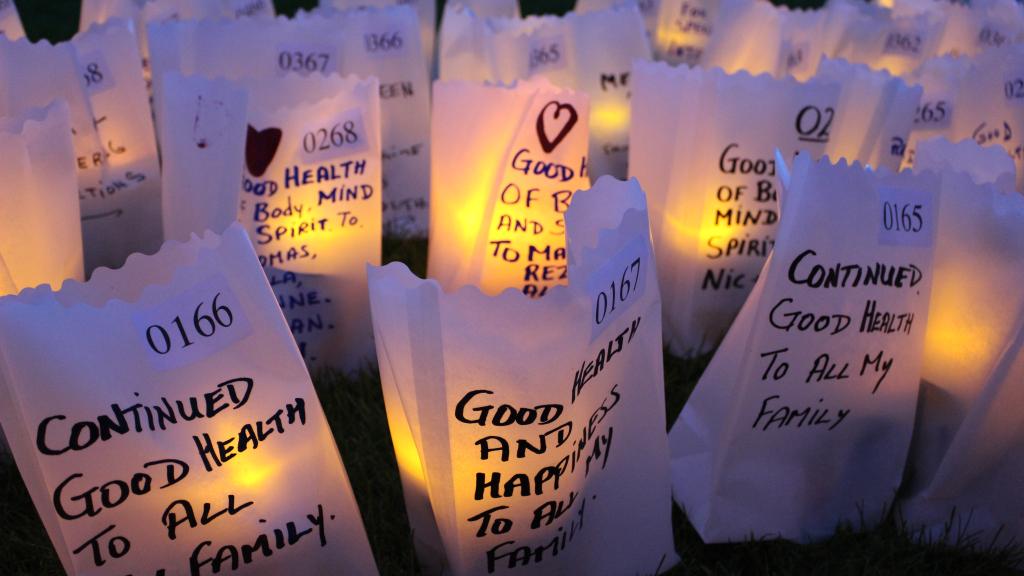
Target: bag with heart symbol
(163, 422)
(528, 432)
(590, 53)
(703, 143)
(373, 42)
(968, 441)
(99, 74)
(297, 161)
(506, 162)
(40, 221)
(10, 22)
(803, 418)
(142, 12)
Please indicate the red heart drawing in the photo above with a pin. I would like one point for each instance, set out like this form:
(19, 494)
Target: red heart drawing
(260, 147)
(570, 118)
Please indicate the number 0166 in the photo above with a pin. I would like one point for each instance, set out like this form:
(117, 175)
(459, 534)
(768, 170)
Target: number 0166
(163, 339)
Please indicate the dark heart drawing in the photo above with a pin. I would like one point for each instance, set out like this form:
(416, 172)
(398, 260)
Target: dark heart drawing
(260, 147)
(546, 123)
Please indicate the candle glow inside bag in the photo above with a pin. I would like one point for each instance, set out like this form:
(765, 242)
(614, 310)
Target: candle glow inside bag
(142, 12)
(940, 79)
(308, 190)
(966, 446)
(991, 104)
(803, 418)
(528, 432)
(683, 30)
(99, 74)
(590, 52)
(426, 16)
(373, 42)
(174, 384)
(506, 163)
(703, 142)
(10, 23)
(40, 221)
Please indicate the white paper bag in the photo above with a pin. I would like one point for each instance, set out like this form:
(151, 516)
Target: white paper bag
(966, 447)
(969, 29)
(374, 42)
(887, 41)
(142, 12)
(426, 16)
(762, 38)
(10, 23)
(506, 163)
(40, 221)
(648, 8)
(804, 416)
(703, 143)
(991, 104)
(940, 80)
(297, 160)
(683, 30)
(99, 74)
(590, 52)
(529, 432)
(162, 419)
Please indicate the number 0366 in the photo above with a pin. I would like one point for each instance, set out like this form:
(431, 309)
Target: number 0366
(618, 292)
(181, 333)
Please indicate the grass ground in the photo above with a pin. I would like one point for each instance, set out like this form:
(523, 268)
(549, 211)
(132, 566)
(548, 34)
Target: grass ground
(355, 409)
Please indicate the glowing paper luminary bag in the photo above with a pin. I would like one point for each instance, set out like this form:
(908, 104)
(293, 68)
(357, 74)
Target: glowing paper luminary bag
(40, 222)
(99, 74)
(970, 28)
(886, 41)
(967, 447)
(529, 432)
(374, 42)
(507, 161)
(10, 23)
(142, 12)
(307, 190)
(940, 79)
(426, 16)
(991, 104)
(703, 144)
(683, 30)
(185, 399)
(590, 53)
(648, 8)
(804, 416)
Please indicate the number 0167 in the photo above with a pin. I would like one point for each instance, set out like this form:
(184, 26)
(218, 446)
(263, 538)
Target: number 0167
(617, 293)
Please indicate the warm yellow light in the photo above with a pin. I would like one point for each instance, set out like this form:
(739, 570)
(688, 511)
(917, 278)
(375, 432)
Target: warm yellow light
(609, 117)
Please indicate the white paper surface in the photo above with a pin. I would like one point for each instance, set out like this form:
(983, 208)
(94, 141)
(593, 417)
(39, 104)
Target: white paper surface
(115, 149)
(703, 143)
(804, 416)
(40, 220)
(507, 161)
(296, 160)
(266, 48)
(588, 52)
(239, 430)
(459, 368)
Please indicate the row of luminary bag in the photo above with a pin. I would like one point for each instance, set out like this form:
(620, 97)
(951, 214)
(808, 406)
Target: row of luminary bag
(555, 138)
